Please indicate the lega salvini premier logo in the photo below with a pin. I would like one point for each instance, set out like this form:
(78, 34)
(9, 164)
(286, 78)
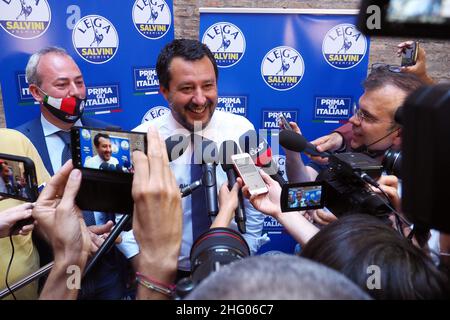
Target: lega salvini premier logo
(152, 18)
(344, 46)
(25, 19)
(95, 39)
(227, 43)
(282, 68)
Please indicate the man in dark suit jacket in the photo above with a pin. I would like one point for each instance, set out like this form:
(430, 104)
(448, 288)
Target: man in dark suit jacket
(56, 82)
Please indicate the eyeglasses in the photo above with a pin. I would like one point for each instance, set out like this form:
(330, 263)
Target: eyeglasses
(384, 66)
(362, 116)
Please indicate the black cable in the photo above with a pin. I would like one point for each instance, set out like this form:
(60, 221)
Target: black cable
(9, 266)
(398, 217)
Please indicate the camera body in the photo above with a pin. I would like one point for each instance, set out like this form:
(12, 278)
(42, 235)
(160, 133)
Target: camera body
(214, 248)
(346, 191)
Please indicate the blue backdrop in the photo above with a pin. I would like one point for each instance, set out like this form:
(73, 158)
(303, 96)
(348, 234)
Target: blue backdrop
(115, 44)
(308, 66)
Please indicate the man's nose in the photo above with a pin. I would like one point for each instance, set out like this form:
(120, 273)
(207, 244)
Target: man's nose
(199, 97)
(76, 91)
(354, 119)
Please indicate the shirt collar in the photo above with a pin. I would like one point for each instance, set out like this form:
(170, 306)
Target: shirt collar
(50, 128)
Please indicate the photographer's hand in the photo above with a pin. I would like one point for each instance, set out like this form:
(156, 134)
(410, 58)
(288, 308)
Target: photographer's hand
(157, 219)
(12, 215)
(419, 68)
(330, 142)
(63, 223)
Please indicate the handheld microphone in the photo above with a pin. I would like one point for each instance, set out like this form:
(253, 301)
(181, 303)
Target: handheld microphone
(296, 142)
(261, 154)
(104, 166)
(227, 149)
(210, 160)
(176, 145)
(185, 191)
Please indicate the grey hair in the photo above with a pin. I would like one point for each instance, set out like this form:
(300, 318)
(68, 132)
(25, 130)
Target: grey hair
(276, 277)
(31, 69)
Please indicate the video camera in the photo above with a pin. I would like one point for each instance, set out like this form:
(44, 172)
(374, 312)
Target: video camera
(344, 188)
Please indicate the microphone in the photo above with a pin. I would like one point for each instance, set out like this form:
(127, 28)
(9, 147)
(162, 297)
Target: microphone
(209, 162)
(185, 191)
(104, 166)
(176, 145)
(296, 142)
(261, 154)
(227, 149)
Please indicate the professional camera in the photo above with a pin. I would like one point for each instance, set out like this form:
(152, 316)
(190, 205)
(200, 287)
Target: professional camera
(347, 181)
(392, 162)
(214, 248)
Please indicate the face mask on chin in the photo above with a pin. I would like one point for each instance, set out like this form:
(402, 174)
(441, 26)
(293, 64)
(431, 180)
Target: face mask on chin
(67, 109)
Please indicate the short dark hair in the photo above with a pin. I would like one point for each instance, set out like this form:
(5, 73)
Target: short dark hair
(354, 242)
(187, 49)
(98, 136)
(382, 76)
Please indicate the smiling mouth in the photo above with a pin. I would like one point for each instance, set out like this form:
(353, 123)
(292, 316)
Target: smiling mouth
(197, 110)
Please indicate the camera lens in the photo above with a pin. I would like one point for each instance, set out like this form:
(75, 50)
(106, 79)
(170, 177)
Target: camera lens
(216, 247)
(392, 162)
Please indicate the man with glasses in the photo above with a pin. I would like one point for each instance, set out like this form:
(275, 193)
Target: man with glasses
(372, 128)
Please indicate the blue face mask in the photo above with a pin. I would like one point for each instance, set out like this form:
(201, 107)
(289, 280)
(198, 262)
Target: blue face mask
(67, 109)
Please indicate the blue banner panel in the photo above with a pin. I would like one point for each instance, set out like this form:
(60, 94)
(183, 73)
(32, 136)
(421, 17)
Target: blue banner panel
(115, 44)
(308, 66)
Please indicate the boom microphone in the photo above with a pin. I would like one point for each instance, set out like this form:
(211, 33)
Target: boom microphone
(296, 142)
(261, 154)
(227, 149)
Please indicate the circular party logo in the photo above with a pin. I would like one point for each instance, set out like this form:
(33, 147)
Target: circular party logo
(226, 42)
(152, 18)
(344, 46)
(95, 39)
(25, 19)
(282, 68)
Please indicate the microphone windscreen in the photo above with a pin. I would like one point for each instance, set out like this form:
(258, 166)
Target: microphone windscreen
(210, 153)
(176, 145)
(292, 141)
(227, 149)
(104, 166)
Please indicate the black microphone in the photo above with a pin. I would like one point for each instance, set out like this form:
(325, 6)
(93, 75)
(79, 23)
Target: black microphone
(227, 149)
(104, 166)
(209, 162)
(176, 145)
(261, 154)
(187, 190)
(296, 142)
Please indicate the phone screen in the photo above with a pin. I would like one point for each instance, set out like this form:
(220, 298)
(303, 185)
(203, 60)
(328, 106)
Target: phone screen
(105, 150)
(409, 56)
(302, 196)
(17, 181)
(250, 174)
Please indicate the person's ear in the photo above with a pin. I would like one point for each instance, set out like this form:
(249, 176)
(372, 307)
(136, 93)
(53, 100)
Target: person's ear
(36, 93)
(165, 92)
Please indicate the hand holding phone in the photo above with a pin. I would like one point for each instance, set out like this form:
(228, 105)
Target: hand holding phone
(409, 54)
(284, 122)
(249, 173)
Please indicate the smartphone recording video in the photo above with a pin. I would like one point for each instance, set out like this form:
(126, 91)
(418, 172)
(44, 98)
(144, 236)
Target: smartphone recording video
(302, 196)
(105, 158)
(105, 150)
(18, 178)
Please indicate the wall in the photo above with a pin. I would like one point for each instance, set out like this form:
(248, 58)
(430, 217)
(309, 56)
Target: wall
(382, 49)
